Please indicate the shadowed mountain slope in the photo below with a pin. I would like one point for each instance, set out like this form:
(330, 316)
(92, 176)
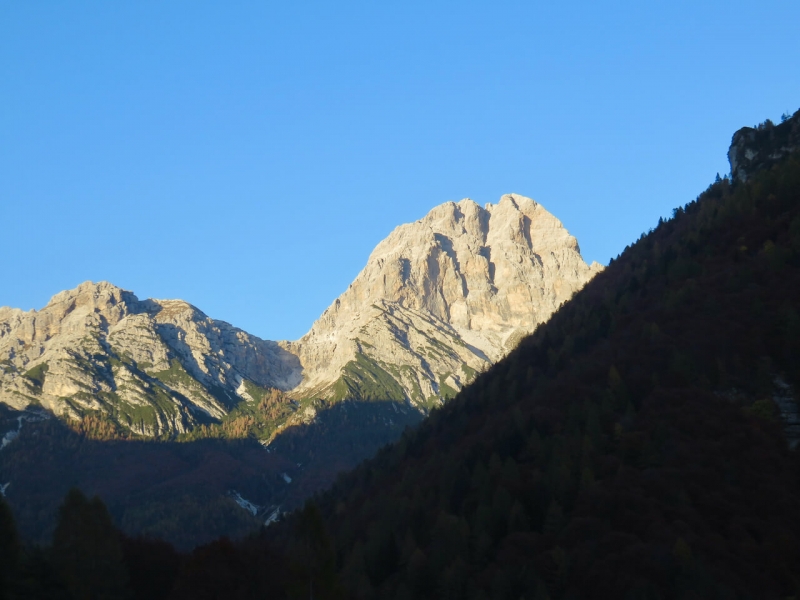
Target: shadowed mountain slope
(637, 445)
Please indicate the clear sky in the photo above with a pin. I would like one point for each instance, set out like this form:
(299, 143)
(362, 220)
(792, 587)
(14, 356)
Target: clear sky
(247, 156)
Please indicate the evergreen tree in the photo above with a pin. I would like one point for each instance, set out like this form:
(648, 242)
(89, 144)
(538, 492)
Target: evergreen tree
(87, 552)
(9, 548)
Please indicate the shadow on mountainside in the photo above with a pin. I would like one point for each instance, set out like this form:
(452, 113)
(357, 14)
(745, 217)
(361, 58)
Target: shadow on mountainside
(339, 438)
(178, 491)
(185, 492)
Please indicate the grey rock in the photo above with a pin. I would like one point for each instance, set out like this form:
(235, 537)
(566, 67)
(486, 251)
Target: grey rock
(155, 366)
(442, 298)
(438, 301)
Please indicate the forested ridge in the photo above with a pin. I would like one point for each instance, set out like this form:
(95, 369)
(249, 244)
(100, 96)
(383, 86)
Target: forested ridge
(631, 447)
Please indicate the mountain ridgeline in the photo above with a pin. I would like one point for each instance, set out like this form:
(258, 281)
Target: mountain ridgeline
(147, 368)
(438, 302)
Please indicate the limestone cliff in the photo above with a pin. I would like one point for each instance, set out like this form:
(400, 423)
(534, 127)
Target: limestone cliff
(153, 366)
(440, 299)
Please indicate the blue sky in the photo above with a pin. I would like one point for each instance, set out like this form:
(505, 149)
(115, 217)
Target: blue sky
(247, 156)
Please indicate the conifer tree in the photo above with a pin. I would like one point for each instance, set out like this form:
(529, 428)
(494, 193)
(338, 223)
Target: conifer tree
(87, 552)
(9, 548)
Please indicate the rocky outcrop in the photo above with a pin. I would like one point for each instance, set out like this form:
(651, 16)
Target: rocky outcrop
(440, 299)
(153, 366)
(753, 149)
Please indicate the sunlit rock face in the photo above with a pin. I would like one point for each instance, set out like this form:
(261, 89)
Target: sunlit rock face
(154, 366)
(439, 300)
(442, 298)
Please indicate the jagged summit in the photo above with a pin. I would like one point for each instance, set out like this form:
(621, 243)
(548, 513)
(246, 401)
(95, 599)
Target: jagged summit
(444, 296)
(154, 366)
(438, 301)
(102, 290)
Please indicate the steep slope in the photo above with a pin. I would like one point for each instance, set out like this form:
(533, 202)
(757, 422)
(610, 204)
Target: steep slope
(757, 148)
(637, 445)
(183, 492)
(441, 299)
(153, 367)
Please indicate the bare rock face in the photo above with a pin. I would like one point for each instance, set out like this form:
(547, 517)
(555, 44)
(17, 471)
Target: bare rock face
(154, 367)
(438, 301)
(441, 299)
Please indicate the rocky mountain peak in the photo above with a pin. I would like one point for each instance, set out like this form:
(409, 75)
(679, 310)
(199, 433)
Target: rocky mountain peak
(159, 366)
(103, 298)
(480, 277)
(102, 291)
(438, 301)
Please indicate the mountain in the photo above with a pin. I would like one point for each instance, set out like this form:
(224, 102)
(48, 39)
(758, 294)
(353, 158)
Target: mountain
(643, 443)
(441, 299)
(151, 367)
(438, 302)
(640, 444)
